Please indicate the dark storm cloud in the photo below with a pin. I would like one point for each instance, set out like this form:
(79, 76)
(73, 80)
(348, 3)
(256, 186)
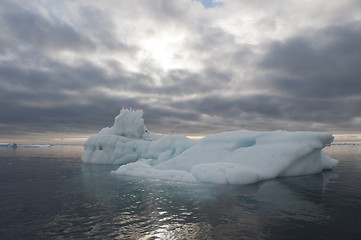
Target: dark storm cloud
(275, 108)
(324, 64)
(56, 77)
(67, 98)
(67, 119)
(227, 106)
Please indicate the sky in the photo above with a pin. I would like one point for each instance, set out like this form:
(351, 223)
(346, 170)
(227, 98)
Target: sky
(194, 67)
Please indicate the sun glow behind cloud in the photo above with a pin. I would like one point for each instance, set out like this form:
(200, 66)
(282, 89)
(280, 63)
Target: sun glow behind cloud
(164, 50)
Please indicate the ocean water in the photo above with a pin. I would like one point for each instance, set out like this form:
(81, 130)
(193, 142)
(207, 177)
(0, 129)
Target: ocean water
(48, 193)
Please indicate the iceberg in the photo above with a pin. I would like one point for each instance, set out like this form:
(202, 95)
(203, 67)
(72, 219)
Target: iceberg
(237, 157)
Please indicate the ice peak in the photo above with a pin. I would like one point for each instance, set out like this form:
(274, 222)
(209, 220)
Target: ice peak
(129, 123)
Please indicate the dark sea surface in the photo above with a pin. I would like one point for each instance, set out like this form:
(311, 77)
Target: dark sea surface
(48, 193)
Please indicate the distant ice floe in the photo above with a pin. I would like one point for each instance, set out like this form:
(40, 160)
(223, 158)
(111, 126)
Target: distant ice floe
(37, 145)
(13, 145)
(238, 157)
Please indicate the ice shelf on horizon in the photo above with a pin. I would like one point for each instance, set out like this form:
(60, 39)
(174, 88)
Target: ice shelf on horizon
(237, 157)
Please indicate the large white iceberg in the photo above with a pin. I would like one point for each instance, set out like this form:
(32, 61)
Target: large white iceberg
(238, 157)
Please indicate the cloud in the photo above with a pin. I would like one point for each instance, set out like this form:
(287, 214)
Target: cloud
(30, 30)
(319, 65)
(194, 69)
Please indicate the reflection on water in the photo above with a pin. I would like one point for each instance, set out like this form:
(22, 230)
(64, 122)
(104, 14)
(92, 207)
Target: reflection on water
(50, 194)
(131, 208)
(296, 198)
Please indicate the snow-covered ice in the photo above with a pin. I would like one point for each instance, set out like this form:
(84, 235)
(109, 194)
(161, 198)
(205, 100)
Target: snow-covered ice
(238, 157)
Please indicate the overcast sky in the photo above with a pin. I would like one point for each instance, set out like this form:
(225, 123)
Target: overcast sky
(195, 68)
